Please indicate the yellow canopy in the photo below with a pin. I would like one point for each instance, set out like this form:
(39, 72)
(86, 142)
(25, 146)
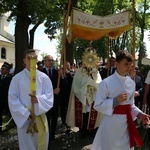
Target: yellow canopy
(91, 27)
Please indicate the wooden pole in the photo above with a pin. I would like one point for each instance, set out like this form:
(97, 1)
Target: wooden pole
(133, 42)
(65, 30)
(108, 45)
(63, 52)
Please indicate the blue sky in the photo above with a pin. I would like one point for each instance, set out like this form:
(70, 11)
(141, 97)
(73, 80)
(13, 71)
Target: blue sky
(42, 42)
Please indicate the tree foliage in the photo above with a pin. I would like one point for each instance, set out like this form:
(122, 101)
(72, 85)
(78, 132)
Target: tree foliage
(26, 13)
(125, 41)
(143, 23)
(50, 12)
(104, 8)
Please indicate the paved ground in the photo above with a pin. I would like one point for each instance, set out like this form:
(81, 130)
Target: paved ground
(71, 141)
(64, 140)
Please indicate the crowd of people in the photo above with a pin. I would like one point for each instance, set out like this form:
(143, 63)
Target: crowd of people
(93, 99)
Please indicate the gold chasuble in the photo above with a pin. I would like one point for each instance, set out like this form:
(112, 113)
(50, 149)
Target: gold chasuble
(39, 123)
(92, 27)
(83, 91)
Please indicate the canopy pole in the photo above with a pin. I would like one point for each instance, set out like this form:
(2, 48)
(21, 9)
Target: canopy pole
(108, 46)
(63, 52)
(133, 42)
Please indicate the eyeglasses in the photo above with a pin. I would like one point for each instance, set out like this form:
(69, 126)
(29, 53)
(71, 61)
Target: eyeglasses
(51, 60)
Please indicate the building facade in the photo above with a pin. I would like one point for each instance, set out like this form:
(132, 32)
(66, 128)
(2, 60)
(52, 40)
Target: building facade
(7, 42)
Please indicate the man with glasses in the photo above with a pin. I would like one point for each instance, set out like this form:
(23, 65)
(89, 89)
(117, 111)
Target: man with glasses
(52, 114)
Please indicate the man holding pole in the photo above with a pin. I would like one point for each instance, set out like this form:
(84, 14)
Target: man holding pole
(52, 115)
(28, 108)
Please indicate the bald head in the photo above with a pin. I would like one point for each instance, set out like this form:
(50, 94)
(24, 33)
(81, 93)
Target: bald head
(48, 61)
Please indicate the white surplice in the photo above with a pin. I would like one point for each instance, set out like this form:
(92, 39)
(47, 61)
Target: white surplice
(113, 133)
(19, 102)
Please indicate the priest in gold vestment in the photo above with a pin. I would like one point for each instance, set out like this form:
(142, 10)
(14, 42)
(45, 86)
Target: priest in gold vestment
(84, 87)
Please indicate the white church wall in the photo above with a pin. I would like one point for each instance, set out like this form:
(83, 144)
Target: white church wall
(6, 41)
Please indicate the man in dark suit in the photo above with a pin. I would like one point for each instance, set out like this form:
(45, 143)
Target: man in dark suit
(139, 86)
(109, 69)
(52, 114)
(65, 87)
(5, 79)
(146, 97)
(139, 91)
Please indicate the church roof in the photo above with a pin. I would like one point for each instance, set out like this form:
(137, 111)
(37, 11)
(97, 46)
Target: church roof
(3, 39)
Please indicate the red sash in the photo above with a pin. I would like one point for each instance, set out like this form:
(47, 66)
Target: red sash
(134, 136)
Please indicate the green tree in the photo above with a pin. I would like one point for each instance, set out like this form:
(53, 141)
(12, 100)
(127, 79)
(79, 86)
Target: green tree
(143, 23)
(43, 55)
(125, 41)
(35, 12)
(104, 8)
(26, 13)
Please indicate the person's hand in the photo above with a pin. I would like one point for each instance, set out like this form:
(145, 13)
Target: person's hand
(56, 91)
(33, 98)
(122, 97)
(136, 94)
(144, 118)
(61, 71)
(31, 117)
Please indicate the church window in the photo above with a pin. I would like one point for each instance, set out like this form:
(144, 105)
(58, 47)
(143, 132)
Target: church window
(3, 53)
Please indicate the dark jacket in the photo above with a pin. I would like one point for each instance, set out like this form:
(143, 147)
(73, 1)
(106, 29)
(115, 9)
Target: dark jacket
(103, 72)
(54, 80)
(4, 87)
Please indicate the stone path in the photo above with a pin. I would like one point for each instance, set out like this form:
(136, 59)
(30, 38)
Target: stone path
(64, 140)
